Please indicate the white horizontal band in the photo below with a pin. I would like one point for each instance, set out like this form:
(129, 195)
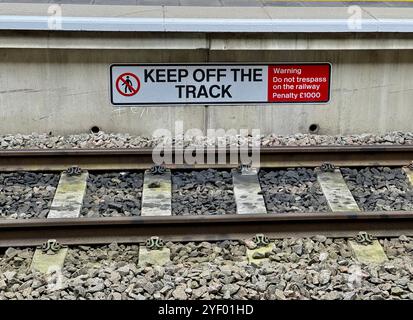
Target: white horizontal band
(202, 25)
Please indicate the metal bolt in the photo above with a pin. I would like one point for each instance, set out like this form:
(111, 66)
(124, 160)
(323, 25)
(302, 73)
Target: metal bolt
(327, 167)
(157, 169)
(73, 171)
(246, 169)
(51, 246)
(364, 238)
(154, 243)
(261, 240)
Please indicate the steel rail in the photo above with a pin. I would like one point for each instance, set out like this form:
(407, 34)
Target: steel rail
(129, 159)
(77, 231)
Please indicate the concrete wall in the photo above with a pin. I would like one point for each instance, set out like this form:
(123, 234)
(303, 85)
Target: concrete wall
(372, 91)
(66, 91)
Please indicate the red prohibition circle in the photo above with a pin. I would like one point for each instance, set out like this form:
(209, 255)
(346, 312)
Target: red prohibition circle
(122, 79)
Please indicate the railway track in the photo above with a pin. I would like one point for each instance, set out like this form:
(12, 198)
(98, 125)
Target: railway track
(344, 220)
(270, 157)
(202, 228)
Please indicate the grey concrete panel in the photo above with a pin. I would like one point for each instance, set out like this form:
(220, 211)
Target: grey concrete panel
(368, 254)
(371, 91)
(236, 3)
(104, 41)
(68, 199)
(24, 1)
(211, 12)
(73, 1)
(205, 25)
(157, 194)
(48, 263)
(247, 193)
(311, 13)
(409, 174)
(336, 191)
(41, 10)
(203, 19)
(118, 2)
(308, 42)
(199, 41)
(390, 13)
(206, 11)
(241, 3)
(203, 3)
(153, 257)
(67, 91)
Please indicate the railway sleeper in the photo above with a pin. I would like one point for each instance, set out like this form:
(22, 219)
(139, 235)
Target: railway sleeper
(409, 172)
(335, 190)
(366, 249)
(67, 203)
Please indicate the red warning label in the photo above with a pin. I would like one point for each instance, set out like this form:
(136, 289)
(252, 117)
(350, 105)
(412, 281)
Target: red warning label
(220, 84)
(128, 84)
(307, 83)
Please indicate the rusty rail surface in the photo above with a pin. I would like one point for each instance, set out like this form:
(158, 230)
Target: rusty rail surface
(203, 228)
(270, 157)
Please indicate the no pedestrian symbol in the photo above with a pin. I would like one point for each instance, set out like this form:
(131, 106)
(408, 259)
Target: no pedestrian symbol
(128, 84)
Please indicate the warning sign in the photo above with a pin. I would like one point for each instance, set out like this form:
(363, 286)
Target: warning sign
(189, 84)
(128, 82)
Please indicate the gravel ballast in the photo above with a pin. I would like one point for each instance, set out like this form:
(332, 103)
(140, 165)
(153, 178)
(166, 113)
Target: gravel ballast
(304, 268)
(26, 195)
(117, 140)
(205, 192)
(292, 190)
(113, 194)
(379, 188)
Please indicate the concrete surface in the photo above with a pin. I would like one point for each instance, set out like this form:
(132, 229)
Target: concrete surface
(409, 173)
(68, 198)
(153, 257)
(247, 193)
(48, 263)
(67, 91)
(157, 194)
(260, 250)
(220, 3)
(336, 191)
(368, 254)
(207, 12)
(371, 92)
(58, 82)
(256, 19)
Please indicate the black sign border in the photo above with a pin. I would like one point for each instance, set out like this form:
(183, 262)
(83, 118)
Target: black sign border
(239, 103)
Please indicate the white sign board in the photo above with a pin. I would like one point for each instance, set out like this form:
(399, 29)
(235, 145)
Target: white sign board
(183, 84)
